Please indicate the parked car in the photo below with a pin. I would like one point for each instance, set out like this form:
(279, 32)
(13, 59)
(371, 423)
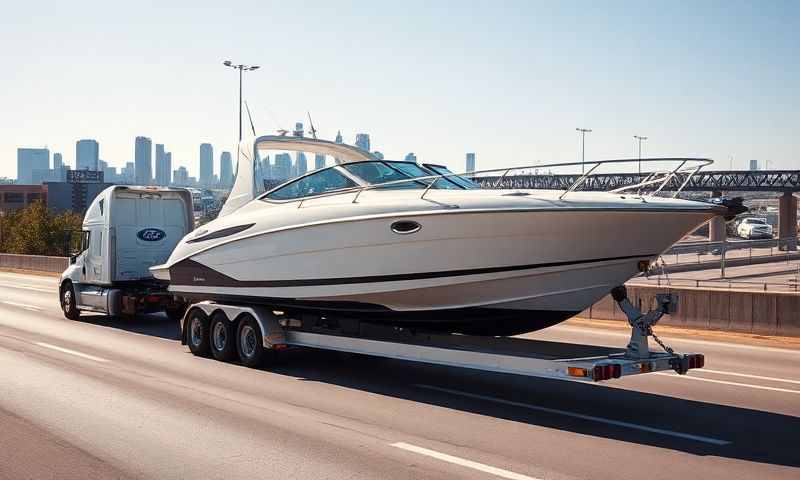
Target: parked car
(753, 227)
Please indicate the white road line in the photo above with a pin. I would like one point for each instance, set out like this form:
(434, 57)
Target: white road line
(724, 382)
(71, 352)
(499, 472)
(29, 287)
(747, 375)
(731, 345)
(607, 421)
(22, 305)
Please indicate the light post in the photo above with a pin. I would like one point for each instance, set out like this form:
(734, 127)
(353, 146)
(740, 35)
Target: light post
(241, 68)
(640, 138)
(583, 132)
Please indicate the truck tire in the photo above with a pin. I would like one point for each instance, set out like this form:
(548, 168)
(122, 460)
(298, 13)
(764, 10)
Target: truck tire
(222, 337)
(69, 301)
(197, 333)
(250, 343)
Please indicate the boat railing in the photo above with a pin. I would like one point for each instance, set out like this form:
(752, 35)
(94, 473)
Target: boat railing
(657, 180)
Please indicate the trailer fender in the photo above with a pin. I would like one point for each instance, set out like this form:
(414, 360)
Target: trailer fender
(271, 330)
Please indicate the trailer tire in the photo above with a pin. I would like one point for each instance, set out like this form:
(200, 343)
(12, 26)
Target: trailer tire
(249, 342)
(69, 301)
(222, 337)
(197, 333)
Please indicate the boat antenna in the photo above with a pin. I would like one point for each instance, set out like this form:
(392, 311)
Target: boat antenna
(313, 130)
(250, 118)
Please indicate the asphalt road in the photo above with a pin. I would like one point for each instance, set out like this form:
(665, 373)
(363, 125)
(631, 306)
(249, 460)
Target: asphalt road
(98, 398)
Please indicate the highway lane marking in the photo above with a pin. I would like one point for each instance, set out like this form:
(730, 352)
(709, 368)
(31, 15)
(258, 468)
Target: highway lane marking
(735, 346)
(499, 472)
(747, 375)
(71, 352)
(29, 287)
(581, 416)
(22, 305)
(724, 382)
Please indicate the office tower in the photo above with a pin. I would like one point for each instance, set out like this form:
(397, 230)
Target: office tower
(283, 166)
(58, 161)
(143, 156)
(319, 161)
(161, 165)
(30, 159)
(301, 164)
(753, 165)
(470, 162)
(226, 169)
(298, 129)
(362, 141)
(206, 164)
(180, 177)
(410, 157)
(87, 155)
(266, 168)
(339, 137)
(128, 173)
(167, 168)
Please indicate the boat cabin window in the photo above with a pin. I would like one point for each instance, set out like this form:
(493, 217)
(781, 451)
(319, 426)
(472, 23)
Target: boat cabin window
(376, 173)
(317, 183)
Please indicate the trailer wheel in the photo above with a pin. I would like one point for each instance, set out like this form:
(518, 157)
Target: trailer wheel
(222, 337)
(249, 342)
(197, 333)
(69, 301)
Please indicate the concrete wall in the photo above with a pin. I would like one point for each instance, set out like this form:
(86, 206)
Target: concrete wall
(763, 313)
(34, 262)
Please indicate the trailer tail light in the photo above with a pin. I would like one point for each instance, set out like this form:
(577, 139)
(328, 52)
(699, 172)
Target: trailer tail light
(606, 372)
(697, 360)
(151, 299)
(577, 372)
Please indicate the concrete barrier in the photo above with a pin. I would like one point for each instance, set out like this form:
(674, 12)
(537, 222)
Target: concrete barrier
(762, 313)
(39, 263)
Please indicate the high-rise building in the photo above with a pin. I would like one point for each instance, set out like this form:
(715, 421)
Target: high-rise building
(753, 165)
(206, 164)
(226, 169)
(144, 161)
(128, 173)
(298, 129)
(58, 161)
(410, 157)
(362, 141)
(319, 161)
(161, 167)
(301, 164)
(339, 137)
(283, 166)
(167, 168)
(180, 177)
(30, 159)
(470, 162)
(87, 154)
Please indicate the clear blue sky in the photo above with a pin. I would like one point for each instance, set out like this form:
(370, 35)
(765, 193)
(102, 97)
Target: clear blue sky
(508, 80)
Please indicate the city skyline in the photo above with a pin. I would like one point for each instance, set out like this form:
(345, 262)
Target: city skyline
(510, 84)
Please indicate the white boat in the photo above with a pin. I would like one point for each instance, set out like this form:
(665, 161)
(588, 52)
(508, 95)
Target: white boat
(418, 246)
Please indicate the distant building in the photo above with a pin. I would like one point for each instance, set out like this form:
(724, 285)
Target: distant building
(180, 177)
(226, 169)
(15, 197)
(301, 164)
(283, 166)
(167, 169)
(75, 197)
(339, 137)
(30, 159)
(753, 165)
(410, 157)
(163, 170)
(87, 154)
(319, 161)
(144, 161)
(362, 141)
(206, 164)
(298, 129)
(128, 173)
(470, 162)
(58, 161)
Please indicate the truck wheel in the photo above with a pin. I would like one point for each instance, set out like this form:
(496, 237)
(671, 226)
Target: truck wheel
(69, 302)
(197, 334)
(250, 343)
(222, 337)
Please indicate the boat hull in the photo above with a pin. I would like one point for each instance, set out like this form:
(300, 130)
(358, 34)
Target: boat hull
(517, 270)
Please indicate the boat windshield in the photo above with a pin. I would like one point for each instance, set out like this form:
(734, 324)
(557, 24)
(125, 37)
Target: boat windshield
(457, 179)
(317, 183)
(378, 172)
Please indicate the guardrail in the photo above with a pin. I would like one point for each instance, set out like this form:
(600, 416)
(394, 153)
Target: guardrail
(712, 254)
(38, 263)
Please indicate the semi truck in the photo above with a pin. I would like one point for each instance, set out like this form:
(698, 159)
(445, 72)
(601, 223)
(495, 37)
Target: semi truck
(126, 230)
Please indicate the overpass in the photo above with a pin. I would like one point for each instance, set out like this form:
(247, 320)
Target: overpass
(785, 182)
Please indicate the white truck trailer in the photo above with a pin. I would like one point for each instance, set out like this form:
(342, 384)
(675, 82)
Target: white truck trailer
(126, 230)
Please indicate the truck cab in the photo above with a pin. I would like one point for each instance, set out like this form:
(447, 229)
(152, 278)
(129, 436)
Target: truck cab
(126, 230)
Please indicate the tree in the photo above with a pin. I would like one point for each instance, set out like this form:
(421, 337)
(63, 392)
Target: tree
(35, 230)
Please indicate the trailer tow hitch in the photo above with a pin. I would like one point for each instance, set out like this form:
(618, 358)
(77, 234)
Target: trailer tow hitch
(642, 328)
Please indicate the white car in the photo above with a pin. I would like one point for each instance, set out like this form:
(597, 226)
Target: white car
(752, 227)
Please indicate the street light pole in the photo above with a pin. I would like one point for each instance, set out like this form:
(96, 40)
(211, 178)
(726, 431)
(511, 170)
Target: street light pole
(640, 138)
(241, 68)
(583, 147)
